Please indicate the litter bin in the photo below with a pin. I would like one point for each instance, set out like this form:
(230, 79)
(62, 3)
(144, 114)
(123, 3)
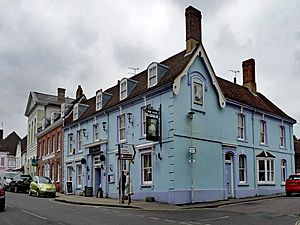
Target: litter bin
(88, 191)
(99, 193)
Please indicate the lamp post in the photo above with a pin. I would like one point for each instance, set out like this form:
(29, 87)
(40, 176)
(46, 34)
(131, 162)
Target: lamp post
(192, 151)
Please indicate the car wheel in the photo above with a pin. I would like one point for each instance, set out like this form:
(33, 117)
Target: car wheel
(2, 208)
(53, 195)
(29, 192)
(38, 193)
(288, 194)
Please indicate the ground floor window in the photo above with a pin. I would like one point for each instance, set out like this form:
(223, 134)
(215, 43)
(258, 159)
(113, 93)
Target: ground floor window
(78, 175)
(265, 171)
(69, 173)
(242, 168)
(146, 168)
(283, 171)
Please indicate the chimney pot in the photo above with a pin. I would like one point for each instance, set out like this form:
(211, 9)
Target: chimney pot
(249, 74)
(79, 91)
(193, 28)
(61, 94)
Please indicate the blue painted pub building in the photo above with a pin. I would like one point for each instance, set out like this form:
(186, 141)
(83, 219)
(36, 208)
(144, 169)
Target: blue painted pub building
(219, 139)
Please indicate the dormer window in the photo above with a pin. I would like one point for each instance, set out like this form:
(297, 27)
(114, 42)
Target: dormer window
(99, 100)
(123, 89)
(75, 112)
(152, 75)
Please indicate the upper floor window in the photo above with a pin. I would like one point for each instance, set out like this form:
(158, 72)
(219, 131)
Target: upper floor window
(144, 114)
(58, 142)
(283, 171)
(99, 100)
(2, 162)
(282, 136)
(40, 149)
(44, 148)
(121, 127)
(242, 168)
(263, 132)
(70, 143)
(241, 126)
(123, 89)
(48, 146)
(152, 75)
(75, 112)
(79, 140)
(198, 92)
(53, 143)
(96, 131)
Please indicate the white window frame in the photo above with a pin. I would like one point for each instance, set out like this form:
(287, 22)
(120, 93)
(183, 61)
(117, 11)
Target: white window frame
(79, 140)
(149, 168)
(58, 167)
(283, 171)
(123, 89)
(2, 162)
(121, 129)
(143, 120)
(69, 172)
(48, 145)
(152, 75)
(96, 132)
(58, 142)
(70, 144)
(75, 112)
(269, 173)
(281, 136)
(198, 83)
(243, 168)
(263, 132)
(98, 100)
(78, 175)
(53, 143)
(241, 126)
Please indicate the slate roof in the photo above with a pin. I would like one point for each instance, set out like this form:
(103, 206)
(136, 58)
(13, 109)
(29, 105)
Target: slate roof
(24, 144)
(9, 144)
(176, 64)
(50, 99)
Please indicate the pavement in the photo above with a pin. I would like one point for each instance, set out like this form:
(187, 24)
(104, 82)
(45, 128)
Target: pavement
(139, 204)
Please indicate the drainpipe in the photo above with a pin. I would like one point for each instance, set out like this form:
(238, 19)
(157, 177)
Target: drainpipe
(106, 155)
(253, 145)
(192, 152)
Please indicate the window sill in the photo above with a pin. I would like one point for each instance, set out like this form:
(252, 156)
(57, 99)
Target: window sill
(146, 186)
(243, 185)
(266, 184)
(242, 140)
(263, 144)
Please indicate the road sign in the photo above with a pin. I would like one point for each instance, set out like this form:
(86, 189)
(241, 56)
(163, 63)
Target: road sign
(127, 152)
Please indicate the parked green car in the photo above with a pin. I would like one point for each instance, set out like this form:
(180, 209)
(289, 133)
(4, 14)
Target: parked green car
(41, 185)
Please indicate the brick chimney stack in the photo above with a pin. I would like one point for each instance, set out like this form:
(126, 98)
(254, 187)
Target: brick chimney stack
(1, 134)
(249, 75)
(193, 28)
(79, 92)
(61, 94)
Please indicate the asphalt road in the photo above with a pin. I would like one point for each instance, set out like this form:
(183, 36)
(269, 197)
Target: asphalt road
(23, 209)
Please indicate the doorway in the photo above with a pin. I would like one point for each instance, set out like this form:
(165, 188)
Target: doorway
(229, 175)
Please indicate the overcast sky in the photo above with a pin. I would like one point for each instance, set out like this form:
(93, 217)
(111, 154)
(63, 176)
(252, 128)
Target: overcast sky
(58, 43)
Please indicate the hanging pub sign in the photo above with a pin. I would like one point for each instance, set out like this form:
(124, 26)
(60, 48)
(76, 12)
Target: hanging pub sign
(34, 162)
(152, 129)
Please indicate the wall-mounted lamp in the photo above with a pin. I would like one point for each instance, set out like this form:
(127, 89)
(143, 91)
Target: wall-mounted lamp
(130, 120)
(191, 115)
(104, 126)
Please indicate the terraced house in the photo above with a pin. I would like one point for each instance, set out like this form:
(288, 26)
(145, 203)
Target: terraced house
(194, 136)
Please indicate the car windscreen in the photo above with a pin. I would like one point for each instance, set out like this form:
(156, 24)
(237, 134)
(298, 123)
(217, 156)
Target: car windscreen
(294, 177)
(24, 177)
(10, 175)
(45, 180)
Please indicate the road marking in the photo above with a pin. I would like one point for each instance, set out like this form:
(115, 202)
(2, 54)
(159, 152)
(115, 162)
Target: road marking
(33, 214)
(171, 221)
(185, 223)
(154, 218)
(10, 206)
(216, 218)
(140, 215)
(194, 222)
